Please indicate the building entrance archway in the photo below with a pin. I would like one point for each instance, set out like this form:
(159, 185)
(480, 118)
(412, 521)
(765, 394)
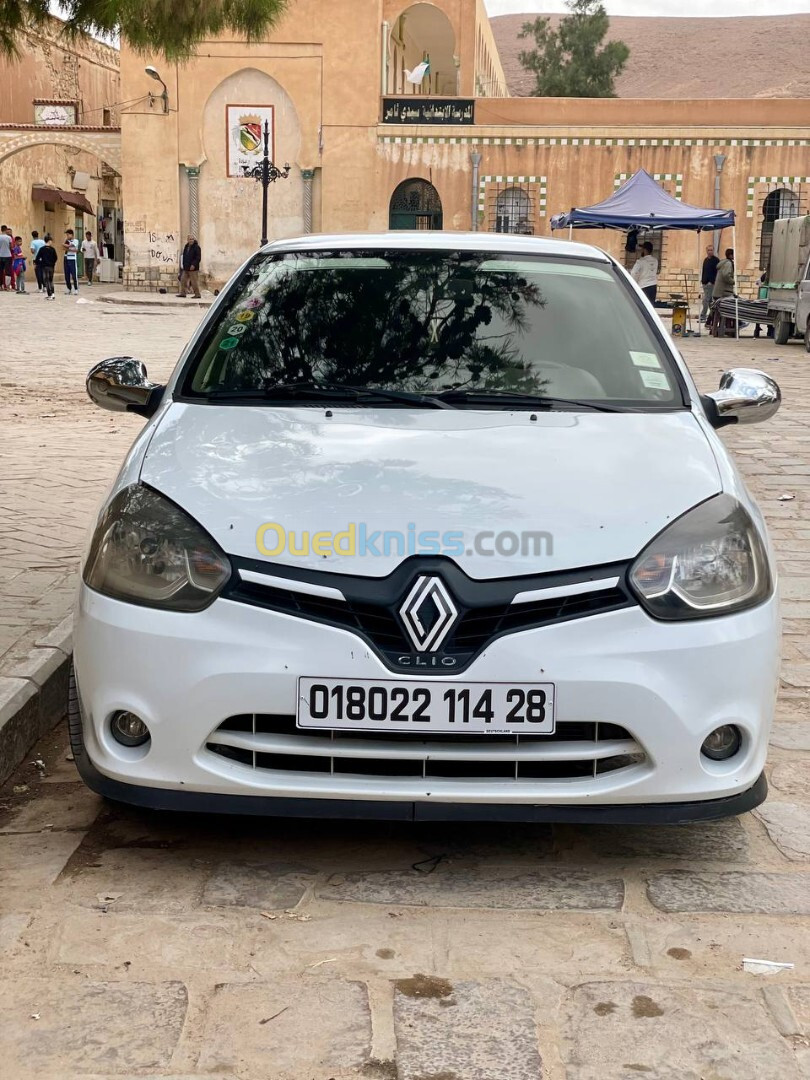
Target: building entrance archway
(415, 204)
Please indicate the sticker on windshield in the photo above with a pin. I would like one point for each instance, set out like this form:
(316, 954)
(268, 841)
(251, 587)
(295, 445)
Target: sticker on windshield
(237, 329)
(654, 380)
(254, 302)
(245, 316)
(645, 359)
(229, 343)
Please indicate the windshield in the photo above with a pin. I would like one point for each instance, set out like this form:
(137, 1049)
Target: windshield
(461, 327)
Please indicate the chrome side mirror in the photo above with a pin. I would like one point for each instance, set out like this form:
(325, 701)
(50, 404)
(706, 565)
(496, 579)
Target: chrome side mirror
(746, 396)
(120, 385)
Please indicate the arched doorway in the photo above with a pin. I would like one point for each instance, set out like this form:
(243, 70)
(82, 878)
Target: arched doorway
(780, 203)
(415, 204)
(422, 32)
(229, 207)
(513, 212)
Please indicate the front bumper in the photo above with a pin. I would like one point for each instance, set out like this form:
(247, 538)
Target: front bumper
(666, 685)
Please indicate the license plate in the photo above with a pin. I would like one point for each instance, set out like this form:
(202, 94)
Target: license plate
(461, 707)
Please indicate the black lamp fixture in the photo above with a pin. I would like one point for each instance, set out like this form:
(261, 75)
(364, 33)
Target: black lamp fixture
(266, 173)
(153, 73)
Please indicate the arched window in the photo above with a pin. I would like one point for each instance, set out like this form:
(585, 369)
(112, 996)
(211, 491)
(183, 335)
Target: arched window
(415, 204)
(780, 203)
(424, 32)
(513, 212)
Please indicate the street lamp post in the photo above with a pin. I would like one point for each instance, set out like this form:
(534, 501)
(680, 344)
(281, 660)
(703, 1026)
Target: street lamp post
(266, 173)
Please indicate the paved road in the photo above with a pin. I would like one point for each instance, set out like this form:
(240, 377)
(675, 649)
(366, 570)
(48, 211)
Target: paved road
(152, 946)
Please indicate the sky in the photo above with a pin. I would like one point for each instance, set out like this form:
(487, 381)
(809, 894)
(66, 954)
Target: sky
(680, 8)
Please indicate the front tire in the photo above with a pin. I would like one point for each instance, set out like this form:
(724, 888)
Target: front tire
(782, 328)
(74, 717)
(807, 335)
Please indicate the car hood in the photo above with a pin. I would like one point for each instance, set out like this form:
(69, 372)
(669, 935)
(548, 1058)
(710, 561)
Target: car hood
(599, 486)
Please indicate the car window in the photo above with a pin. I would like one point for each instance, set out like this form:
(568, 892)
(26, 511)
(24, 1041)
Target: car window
(434, 321)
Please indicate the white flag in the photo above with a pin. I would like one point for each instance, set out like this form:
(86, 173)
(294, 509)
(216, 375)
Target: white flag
(419, 72)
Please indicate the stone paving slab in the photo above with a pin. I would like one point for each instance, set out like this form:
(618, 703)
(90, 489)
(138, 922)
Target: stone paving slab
(470, 1030)
(143, 944)
(545, 889)
(66, 808)
(791, 736)
(35, 860)
(690, 946)
(788, 825)
(713, 841)
(754, 893)
(266, 886)
(289, 1029)
(619, 1031)
(61, 1027)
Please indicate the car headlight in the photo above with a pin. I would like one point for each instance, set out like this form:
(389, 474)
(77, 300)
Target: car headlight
(711, 561)
(148, 551)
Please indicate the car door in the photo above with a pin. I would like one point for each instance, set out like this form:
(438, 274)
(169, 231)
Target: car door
(803, 300)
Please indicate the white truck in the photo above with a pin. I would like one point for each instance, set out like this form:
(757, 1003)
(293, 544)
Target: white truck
(789, 280)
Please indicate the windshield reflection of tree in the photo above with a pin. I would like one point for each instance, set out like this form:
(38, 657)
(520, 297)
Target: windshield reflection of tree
(419, 324)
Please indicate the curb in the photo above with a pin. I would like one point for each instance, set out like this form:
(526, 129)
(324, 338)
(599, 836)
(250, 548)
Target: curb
(33, 696)
(154, 300)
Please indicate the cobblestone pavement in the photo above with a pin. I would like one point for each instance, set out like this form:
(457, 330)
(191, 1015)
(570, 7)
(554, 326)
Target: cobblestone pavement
(140, 945)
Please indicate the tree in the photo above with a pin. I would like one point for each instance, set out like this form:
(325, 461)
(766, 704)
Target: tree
(170, 27)
(571, 61)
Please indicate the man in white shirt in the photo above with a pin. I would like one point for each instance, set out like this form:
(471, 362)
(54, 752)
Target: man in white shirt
(90, 252)
(645, 272)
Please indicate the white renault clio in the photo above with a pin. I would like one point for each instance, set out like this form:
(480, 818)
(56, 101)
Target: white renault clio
(429, 527)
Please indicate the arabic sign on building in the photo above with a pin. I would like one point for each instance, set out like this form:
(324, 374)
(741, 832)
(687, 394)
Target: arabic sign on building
(425, 110)
(55, 113)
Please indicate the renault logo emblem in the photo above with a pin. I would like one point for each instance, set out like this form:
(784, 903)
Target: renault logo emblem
(428, 613)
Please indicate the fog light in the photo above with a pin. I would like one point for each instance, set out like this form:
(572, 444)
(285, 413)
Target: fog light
(723, 743)
(128, 729)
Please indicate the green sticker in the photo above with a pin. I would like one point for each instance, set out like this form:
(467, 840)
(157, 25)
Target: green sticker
(229, 343)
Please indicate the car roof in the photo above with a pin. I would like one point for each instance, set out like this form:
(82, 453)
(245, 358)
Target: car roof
(503, 243)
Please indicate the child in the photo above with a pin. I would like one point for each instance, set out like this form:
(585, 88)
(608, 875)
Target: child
(46, 259)
(18, 264)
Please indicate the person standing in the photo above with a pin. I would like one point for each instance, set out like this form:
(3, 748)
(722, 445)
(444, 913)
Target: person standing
(190, 268)
(46, 258)
(90, 252)
(645, 272)
(18, 265)
(71, 250)
(5, 256)
(708, 275)
(724, 280)
(36, 244)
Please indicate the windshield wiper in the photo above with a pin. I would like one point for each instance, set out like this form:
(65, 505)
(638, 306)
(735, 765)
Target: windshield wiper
(330, 391)
(534, 401)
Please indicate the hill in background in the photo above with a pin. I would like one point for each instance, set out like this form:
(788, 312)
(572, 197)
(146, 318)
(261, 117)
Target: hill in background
(760, 56)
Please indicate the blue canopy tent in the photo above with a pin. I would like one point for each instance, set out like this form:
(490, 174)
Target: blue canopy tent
(642, 203)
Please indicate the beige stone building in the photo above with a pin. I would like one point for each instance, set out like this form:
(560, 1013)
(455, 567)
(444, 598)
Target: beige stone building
(59, 137)
(373, 146)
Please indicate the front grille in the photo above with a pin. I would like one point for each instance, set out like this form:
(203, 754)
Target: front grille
(576, 751)
(371, 607)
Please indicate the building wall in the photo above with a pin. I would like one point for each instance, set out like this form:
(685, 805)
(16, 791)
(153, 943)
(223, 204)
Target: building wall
(571, 161)
(322, 72)
(85, 71)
